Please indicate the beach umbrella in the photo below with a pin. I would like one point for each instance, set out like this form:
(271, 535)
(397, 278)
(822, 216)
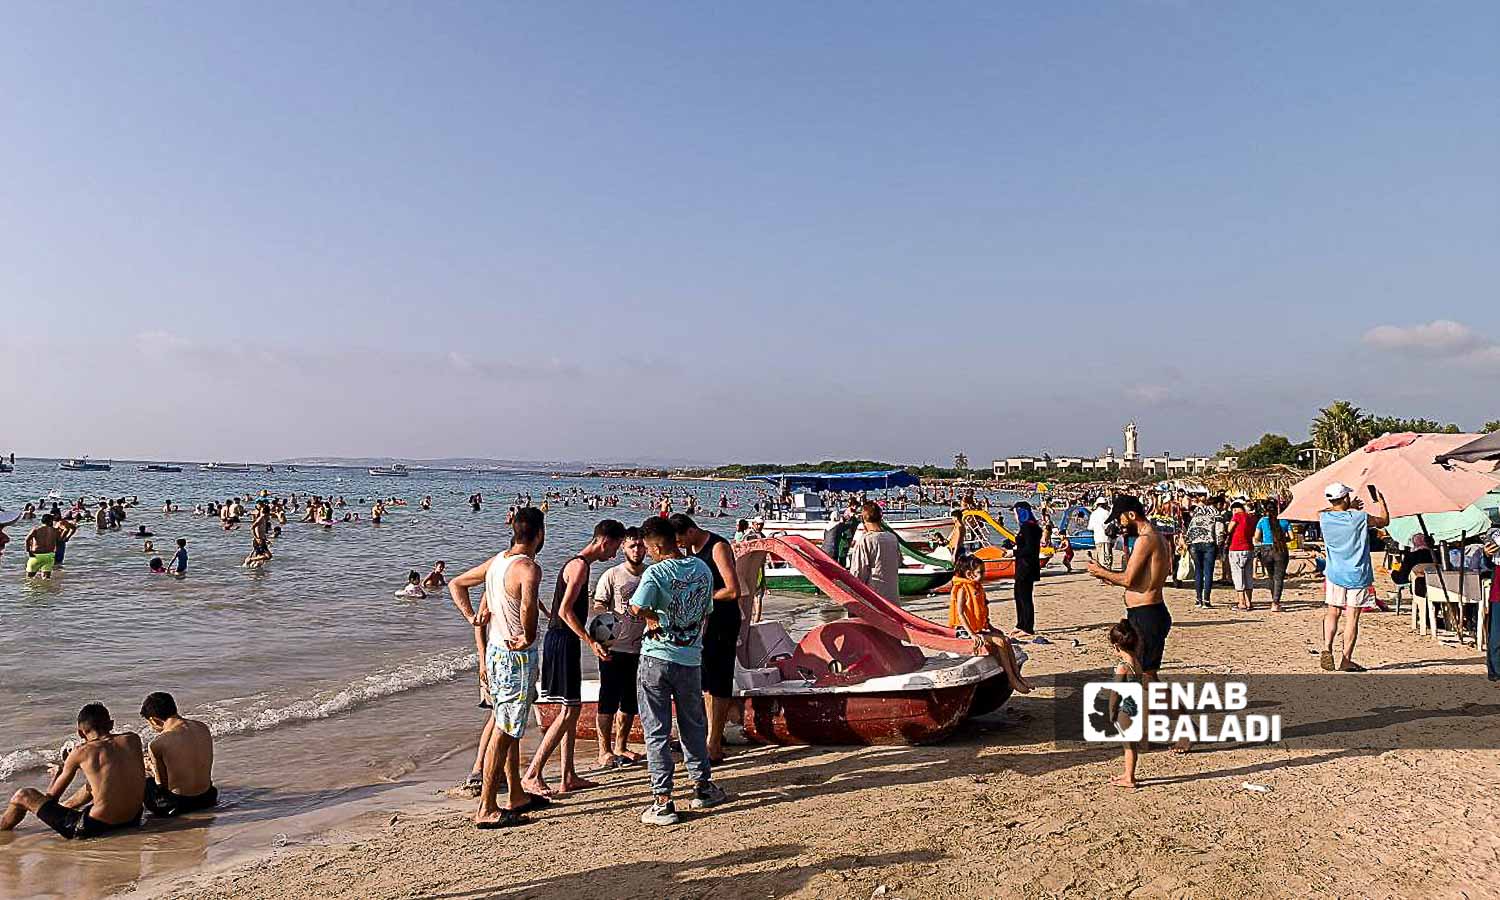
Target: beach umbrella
(1449, 526)
(1402, 466)
(1485, 448)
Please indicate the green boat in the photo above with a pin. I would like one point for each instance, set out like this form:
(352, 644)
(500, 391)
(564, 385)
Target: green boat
(916, 581)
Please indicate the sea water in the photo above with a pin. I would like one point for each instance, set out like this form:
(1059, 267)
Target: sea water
(318, 682)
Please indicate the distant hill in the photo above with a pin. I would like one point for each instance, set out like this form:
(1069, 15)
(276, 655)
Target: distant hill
(475, 462)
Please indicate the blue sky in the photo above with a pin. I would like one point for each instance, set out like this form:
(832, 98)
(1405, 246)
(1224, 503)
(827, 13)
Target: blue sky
(764, 231)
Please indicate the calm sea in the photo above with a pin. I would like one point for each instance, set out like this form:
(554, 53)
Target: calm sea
(316, 679)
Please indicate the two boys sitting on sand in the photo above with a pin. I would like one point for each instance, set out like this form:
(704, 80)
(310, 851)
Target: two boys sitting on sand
(114, 767)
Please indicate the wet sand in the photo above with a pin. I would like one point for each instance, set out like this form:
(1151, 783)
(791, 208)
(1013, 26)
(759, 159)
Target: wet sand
(1373, 804)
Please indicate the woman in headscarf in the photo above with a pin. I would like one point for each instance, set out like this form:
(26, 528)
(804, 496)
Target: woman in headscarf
(1028, 567)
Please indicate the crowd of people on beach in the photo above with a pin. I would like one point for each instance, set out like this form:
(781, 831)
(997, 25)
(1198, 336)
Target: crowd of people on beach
(664, 623)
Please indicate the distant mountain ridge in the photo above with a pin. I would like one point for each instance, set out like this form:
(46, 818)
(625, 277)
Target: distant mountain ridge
(465, 462)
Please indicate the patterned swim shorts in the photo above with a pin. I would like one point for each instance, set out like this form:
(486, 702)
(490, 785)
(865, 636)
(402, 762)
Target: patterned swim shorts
(513, 676)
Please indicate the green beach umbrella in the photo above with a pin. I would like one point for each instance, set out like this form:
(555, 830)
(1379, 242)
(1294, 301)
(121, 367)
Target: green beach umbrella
(1448, 526)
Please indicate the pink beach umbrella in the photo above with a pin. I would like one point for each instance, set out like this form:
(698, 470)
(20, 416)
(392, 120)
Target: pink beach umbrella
(1401, 466)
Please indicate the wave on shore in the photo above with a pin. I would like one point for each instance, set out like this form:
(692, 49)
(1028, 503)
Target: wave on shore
(261, 712)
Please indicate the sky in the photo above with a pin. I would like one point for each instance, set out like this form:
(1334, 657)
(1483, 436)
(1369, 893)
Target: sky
(754, 232)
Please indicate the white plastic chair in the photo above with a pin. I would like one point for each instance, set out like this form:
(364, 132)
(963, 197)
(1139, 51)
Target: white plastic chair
(1474, 593)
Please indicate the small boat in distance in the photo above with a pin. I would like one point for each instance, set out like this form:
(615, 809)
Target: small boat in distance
(158, 467)
(224, 467)
(396, 471)
(83, 464)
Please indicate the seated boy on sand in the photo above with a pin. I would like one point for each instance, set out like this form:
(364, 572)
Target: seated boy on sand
(181, 759)
(110, 800)
(969, 615)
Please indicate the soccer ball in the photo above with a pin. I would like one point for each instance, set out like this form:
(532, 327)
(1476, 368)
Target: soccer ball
(603, 627)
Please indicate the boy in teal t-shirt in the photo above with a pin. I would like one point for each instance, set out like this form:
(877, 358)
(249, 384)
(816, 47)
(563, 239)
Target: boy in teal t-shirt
(674, 597)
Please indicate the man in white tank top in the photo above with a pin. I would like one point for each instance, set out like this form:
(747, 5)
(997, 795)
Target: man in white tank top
(508, 620)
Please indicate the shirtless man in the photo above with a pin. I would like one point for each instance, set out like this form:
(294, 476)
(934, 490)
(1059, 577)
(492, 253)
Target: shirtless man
(562, 678)
(115, 772)
(181, 760)
(41, 548)
(506, 625)
(1145, 574)
(260, 536)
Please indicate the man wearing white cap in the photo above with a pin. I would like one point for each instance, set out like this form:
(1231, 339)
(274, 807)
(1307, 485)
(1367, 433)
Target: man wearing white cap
(1348, 576)
(1104, 544)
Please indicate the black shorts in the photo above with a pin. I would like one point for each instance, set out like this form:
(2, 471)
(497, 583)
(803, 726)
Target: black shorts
(617, 684)
(166, 803)
(562, 667)
(721, 638)
(76, 823)
(260, 548)
(1152, 623)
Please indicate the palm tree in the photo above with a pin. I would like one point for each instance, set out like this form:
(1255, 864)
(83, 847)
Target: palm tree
(1491, 426)
(1339, 428)
(960, 460)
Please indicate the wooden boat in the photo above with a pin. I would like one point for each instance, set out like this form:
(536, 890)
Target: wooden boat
(861, 680)
(83, 464)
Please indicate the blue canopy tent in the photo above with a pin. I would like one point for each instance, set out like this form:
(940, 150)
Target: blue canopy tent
(841, 481)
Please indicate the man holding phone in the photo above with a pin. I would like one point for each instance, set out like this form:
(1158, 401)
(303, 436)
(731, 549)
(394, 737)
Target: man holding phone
(1348, 576)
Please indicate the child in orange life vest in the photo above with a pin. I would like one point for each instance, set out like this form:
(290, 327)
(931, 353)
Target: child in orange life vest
(969, 616)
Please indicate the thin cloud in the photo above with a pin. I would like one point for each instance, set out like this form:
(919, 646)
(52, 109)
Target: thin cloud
(1148, 394)
(1442, 341)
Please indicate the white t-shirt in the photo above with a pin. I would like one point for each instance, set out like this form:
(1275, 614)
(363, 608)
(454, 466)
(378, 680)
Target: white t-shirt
(613, 592)
(1098, 519)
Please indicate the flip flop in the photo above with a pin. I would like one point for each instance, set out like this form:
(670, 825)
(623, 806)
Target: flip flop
(1325, 661)
(1352, 666)
(533, 802)
(509, 818)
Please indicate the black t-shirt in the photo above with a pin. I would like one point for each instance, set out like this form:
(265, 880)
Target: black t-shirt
(706, 553)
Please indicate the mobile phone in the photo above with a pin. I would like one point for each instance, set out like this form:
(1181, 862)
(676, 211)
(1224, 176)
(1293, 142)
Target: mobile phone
(1374, 494)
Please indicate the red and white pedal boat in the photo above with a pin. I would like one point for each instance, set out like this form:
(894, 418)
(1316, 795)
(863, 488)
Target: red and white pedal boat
(861, 680)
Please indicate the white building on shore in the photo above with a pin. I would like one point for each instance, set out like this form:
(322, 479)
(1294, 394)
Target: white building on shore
(1131, 463)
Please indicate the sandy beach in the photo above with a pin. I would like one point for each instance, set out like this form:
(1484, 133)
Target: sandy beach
(1396, 801)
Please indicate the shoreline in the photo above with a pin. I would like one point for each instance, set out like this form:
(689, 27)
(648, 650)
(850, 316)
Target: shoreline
(1000, 809)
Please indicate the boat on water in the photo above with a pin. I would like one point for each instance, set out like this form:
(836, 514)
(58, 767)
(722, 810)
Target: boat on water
(83, 464)
(916, 578)
(882, 676)
(224, 467)
(396, 471)
(158, 467)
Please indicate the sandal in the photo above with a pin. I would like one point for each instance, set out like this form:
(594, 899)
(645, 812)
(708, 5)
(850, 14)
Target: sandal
(1325, 661)
(1350, 665)
(509, 818)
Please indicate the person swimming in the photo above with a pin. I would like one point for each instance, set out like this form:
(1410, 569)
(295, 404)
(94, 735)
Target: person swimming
(413, 589)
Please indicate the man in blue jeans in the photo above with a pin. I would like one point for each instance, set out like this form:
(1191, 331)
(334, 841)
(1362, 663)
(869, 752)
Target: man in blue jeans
(674, 598)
